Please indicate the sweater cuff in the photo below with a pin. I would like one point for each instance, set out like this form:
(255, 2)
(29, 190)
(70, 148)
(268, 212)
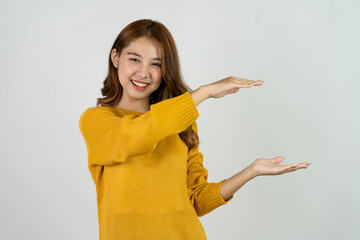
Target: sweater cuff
(186, 111)
(183, 109)
(215, 199)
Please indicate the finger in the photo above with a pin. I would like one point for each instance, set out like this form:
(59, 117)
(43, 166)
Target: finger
(274, 160)
(244, 85)
(242, 79)
(296, 168)
(304, 164)
(249, 84)
(277, 159)
(247, 81)
(285, 168)
(291, 169)
(235, 90)
(258, 82)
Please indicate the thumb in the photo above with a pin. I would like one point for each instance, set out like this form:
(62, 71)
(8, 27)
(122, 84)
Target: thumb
(278, 159)
(232, 91)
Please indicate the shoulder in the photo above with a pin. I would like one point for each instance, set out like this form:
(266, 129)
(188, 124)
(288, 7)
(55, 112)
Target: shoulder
(95, 112)
(94, 118)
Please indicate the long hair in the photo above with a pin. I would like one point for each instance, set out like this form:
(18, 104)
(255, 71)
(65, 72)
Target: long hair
(172, 84)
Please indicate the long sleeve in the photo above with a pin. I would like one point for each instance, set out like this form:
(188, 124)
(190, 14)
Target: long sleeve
(111, 139)
(204, 196)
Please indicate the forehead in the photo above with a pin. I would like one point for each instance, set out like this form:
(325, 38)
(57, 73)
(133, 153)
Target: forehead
(144, 46)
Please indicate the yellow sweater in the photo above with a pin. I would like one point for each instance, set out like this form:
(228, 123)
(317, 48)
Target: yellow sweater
(148, 185)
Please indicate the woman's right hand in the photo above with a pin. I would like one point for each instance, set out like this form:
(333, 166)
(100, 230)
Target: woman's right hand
(230, 85)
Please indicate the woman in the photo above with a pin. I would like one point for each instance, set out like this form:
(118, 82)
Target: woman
(143, 147)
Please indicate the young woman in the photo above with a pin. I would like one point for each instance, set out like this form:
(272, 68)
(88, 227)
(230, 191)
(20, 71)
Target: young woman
(143, 145)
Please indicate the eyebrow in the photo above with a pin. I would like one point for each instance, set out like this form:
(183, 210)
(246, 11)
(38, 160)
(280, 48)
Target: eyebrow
(136, 54)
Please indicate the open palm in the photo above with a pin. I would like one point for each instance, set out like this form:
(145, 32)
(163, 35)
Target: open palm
(230, 85)
(263, 166)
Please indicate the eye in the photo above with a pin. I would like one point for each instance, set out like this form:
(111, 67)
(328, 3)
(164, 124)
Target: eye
(134, 59)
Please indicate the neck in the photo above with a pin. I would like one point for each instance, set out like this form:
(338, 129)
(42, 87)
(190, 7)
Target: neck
(134, 105)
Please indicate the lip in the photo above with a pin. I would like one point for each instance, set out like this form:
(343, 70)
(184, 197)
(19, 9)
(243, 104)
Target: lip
(137, 87)
(140, 82)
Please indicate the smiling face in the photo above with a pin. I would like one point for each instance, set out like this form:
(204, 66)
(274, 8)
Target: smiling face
(141, 62)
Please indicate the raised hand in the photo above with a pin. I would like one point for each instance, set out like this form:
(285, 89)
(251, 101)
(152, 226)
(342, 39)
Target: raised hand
(230, 85)
(263, 166)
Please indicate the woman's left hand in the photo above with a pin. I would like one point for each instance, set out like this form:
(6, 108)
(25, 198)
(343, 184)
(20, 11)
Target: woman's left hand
(263, 166)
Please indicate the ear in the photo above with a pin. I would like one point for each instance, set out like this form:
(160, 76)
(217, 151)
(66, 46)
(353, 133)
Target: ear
(115, 58)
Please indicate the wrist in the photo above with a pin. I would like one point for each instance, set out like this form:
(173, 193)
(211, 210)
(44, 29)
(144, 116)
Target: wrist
(200, 94)
(251, 172)
(205, 89)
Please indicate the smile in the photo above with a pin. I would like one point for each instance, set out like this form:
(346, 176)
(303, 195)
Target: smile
(140, 86)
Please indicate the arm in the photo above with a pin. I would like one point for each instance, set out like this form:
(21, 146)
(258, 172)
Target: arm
(204, 196)
(200, 94)
(111, 139)
(260, 166)
(231, 185)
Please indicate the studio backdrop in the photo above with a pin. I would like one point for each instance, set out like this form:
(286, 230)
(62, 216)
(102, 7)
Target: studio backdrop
(54, 58)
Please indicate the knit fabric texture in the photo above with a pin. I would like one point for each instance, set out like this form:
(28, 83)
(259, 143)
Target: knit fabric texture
(148, 184)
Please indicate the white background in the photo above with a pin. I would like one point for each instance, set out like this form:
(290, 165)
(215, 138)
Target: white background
(53, 62)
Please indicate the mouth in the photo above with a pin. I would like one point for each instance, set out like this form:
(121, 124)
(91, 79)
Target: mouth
(139, 84)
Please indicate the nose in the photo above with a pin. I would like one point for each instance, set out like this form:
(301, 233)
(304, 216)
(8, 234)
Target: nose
(143, 71)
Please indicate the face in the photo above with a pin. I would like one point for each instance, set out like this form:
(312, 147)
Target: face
(141, 62)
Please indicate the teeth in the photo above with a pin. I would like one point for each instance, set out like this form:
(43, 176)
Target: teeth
(139, 84)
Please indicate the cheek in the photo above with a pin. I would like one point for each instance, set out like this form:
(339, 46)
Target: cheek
(156, 74)
(126, 69)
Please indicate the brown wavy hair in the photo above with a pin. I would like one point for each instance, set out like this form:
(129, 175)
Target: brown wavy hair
(172, 84)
